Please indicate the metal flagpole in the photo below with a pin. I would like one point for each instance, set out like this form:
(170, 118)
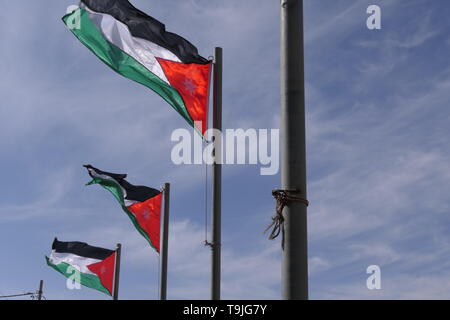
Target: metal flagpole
(217, 178)
(41, 288)
(117, 272)
(164, 244)
(293, 176)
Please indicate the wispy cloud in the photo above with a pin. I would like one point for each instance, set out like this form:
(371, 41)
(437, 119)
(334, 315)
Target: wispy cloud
(377, 137)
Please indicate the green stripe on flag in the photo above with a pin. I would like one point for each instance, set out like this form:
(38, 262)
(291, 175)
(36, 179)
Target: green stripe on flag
(112, 187)
(87, 280)
(116, 190)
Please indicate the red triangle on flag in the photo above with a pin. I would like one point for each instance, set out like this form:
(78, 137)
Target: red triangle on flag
(148, 215)
(192, 83)
(105, 271)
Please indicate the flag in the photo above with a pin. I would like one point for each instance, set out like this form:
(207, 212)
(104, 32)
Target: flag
(141, 204)
(138, 47)
(96, 266)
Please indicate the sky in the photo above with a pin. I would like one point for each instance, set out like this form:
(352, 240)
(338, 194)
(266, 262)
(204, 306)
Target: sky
(377, 150)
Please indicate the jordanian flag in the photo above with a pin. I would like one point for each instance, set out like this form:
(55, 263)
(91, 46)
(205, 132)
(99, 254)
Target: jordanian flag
(138, 47)
(95, 265)
(141, 204)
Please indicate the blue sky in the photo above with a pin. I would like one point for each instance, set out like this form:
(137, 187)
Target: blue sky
(377, 141)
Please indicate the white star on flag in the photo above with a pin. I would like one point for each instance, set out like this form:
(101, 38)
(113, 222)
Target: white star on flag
(190, 86)
(146, 214)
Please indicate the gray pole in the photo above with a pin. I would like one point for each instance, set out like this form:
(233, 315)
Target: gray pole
(41, 288)
(293, 176)
(164, 244)
(217, 179)
(117, 272)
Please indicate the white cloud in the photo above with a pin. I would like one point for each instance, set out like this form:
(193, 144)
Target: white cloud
(377, 143)
(189, 263)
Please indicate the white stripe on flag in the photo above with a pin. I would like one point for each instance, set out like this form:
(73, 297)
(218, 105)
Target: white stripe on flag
(106, 177)
(144, 51)
(78, 262)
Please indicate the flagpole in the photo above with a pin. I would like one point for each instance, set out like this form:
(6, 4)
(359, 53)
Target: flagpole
(217, 179)
(117, 272)
(293, 175)
(40, 291)
(164, 244)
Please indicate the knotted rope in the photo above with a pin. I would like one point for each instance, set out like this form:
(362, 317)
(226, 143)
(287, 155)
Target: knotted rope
(283, 198)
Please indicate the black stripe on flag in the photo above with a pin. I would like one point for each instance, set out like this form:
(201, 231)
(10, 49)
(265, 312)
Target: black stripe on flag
(143, 26)
(115, 176)
(136, 193)
(81, 249)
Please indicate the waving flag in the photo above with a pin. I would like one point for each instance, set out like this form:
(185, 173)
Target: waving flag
(95, 266)
(141, 204)
(138, 47)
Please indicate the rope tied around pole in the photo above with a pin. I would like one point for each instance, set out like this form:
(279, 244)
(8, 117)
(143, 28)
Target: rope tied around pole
(283, 198)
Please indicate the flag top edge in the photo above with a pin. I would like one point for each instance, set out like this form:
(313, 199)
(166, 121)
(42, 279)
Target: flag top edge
(81, 249)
